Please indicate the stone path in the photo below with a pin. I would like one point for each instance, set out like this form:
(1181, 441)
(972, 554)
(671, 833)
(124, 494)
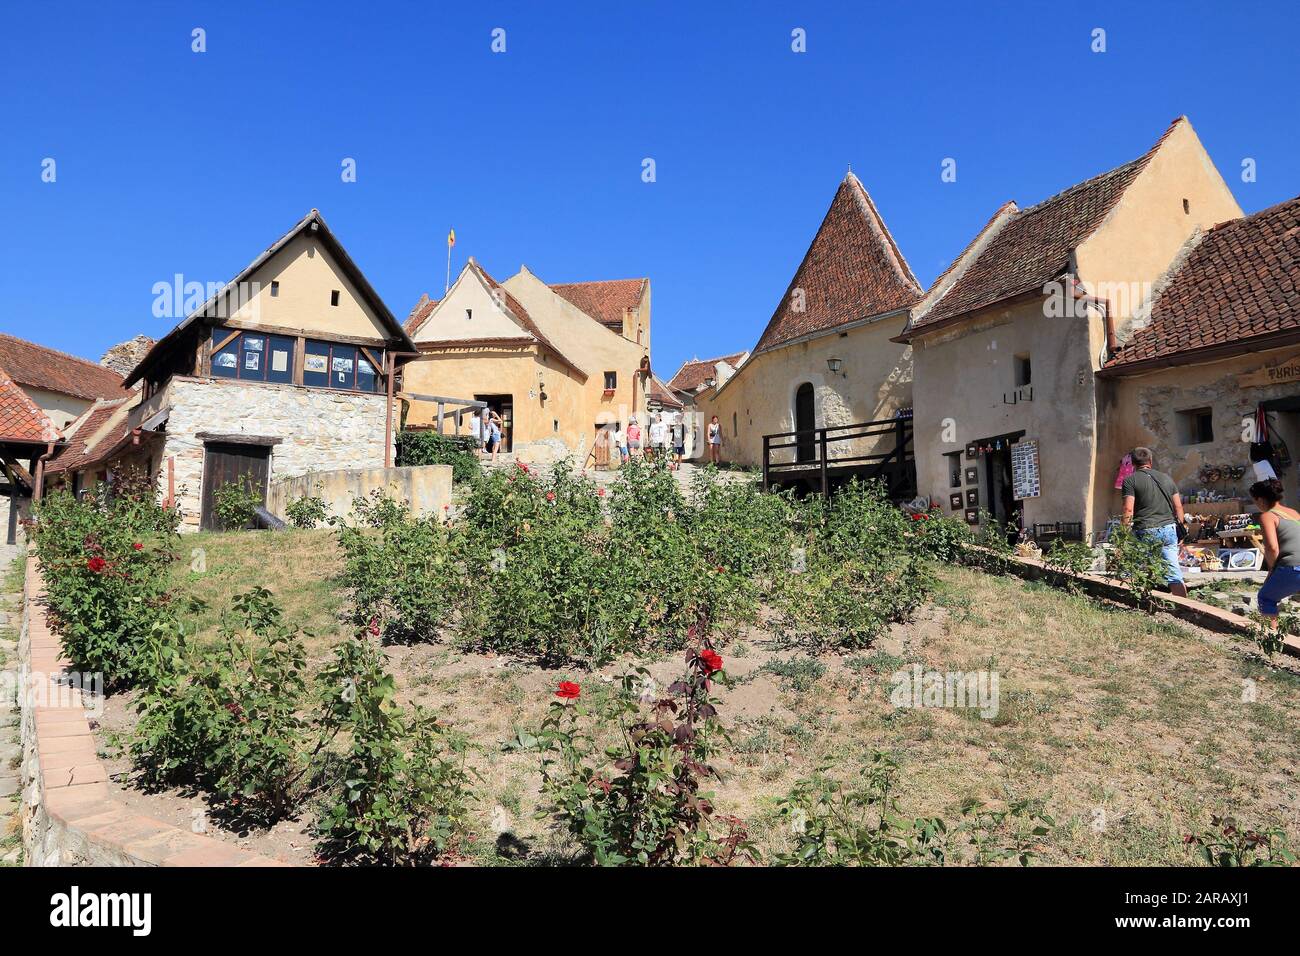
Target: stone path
(11, 849)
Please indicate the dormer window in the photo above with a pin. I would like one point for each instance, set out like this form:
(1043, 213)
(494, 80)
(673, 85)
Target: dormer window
(334, 297)
(275, 289)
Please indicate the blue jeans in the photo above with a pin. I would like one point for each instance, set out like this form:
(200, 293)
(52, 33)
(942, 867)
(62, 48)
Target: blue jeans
(1167, 538)
(1282, 582)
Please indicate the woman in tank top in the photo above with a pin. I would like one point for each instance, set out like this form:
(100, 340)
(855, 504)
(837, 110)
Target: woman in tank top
(1281, 528)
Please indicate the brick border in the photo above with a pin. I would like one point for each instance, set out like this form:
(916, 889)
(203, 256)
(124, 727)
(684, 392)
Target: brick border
(70, 818)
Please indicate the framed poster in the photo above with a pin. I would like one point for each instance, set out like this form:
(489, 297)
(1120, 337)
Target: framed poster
(1024, 470)
(972, 451)
(972, 516)
(972, 476)
(954, 501)
(972, 497)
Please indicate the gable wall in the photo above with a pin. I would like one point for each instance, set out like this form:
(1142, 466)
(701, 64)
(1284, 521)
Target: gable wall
(1136, 244)
(488, 320)
(307, 273)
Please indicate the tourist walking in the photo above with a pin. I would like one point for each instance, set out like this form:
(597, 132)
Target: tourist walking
(679, 440)
(1155, 511)
(715, 440)
(658, 437)
(1281, 529)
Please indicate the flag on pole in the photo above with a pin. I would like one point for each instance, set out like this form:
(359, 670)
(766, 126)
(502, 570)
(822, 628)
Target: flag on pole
(451, 237)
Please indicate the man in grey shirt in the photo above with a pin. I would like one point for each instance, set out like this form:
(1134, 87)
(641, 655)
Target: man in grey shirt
(1152, 507)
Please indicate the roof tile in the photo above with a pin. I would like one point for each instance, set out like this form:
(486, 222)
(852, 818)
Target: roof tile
(851, 271)
(36, 366)
(1241, 280)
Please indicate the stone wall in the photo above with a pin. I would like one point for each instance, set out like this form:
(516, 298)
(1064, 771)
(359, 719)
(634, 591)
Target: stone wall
(427, 488)
(319, 430)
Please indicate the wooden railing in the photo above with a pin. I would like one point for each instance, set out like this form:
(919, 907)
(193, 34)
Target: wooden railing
(814, 465)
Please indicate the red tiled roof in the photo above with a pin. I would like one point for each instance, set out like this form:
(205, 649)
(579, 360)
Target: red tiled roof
(20, 419)
(420, 314)
(851, 271)
(100, 430)
(604, 300)
(36, 366)
(694, 373)
(661, 393)
(1241, 280)
(1028, 248)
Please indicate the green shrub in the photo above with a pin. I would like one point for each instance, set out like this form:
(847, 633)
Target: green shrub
(1067, 560)
(228, 715)
(837, 824)
(865, 569)
(307, 511)
(938, 536)
(397, 570)
(235, 503)
(430, 448)
(1136, 561)
(641, 801)
(105, 558)
(399, 792)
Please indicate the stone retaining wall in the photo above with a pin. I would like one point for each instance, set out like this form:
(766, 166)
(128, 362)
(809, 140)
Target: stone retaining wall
(427, 488)
(70, 817)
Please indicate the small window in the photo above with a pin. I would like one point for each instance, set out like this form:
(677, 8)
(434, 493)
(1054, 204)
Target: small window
(1023, 371)
(1187, 207)
(611, 381)
(334, 297)
(555, 425)
(469, 315)
(1195, 426)
(735, 426)
(954, 469)
(275, 289)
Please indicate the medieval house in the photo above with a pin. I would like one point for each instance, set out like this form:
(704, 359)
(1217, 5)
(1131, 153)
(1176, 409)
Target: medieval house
(285, 371)
(827, 356)
(1008, 342)
(556, 362)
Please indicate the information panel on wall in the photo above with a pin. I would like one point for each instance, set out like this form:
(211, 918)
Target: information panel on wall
(1024, 470)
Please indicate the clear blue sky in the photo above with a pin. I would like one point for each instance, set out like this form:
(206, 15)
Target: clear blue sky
(170, 161)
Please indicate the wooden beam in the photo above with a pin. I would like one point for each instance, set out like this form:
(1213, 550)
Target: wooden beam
(20, 470)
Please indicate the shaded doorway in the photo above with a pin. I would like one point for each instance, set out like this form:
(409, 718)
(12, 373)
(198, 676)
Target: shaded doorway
(503, 405)
(230, 462)
(805, 420)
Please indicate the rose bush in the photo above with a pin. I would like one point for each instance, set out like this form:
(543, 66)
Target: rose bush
(105, 558)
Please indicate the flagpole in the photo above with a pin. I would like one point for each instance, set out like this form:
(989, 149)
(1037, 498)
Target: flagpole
(446, 287)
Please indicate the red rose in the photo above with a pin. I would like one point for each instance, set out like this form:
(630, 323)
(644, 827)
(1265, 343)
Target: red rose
(568, 690)
(138, 546)
(711, 660)
(374, 626)
(601, 492)
(550, 496)
(522, 467)
(96, 564)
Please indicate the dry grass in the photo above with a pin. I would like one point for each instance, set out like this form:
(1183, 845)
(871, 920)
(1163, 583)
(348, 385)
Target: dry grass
(1131, 729)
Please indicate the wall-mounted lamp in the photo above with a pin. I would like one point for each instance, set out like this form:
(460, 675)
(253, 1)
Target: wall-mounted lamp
(834, 364)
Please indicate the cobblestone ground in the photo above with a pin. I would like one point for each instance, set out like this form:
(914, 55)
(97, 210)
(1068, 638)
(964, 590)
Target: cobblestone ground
(11, 849)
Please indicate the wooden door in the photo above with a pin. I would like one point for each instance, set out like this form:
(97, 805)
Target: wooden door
(224, 463)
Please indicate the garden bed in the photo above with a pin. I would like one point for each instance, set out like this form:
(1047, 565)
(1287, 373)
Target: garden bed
(1108, 715)
(409, 690)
